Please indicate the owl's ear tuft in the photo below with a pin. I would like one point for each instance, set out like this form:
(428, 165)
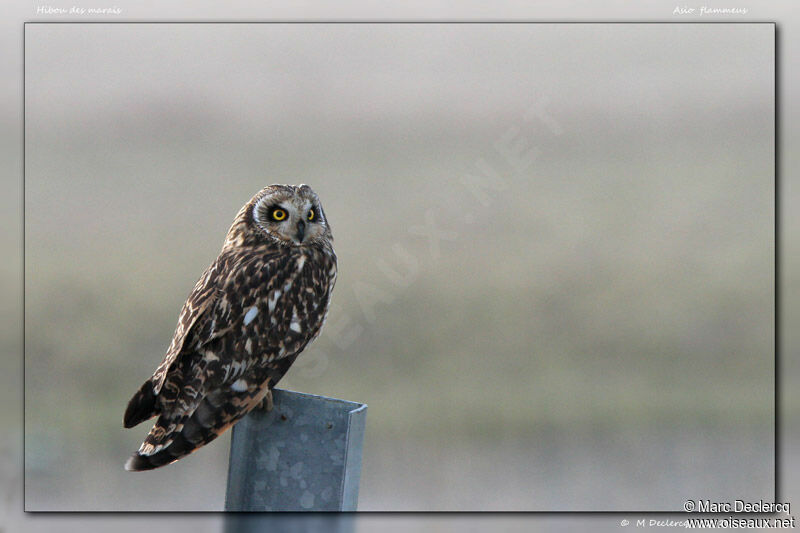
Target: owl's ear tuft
(142, 406)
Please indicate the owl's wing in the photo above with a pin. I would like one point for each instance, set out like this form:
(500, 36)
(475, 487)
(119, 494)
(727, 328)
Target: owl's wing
(191, 414)
(205, 316)
(195, 313)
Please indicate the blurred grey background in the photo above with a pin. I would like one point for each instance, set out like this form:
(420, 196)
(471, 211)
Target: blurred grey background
(594, 332)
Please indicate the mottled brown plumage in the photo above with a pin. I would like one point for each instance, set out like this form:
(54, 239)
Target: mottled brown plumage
(258, 305)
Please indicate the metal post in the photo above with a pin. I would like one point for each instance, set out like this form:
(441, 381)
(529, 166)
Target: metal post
(304, 455)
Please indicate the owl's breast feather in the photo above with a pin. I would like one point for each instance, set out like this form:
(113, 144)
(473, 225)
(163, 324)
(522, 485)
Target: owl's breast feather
(285, 309)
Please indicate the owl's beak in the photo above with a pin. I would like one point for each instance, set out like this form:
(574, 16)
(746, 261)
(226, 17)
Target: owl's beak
(301, 231)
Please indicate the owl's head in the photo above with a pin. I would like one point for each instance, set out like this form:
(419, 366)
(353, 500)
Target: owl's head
(288, 215)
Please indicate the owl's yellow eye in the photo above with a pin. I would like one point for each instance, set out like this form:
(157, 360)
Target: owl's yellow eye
(311, 214)
(278, 214)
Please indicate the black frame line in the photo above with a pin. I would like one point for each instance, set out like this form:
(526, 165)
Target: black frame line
(776, 244)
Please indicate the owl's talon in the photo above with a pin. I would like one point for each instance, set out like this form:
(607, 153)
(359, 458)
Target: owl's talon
(266, 403)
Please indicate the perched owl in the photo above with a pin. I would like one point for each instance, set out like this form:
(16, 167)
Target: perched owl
(258, 305)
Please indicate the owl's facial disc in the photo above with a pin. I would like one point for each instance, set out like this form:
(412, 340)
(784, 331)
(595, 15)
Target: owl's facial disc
(291, 216)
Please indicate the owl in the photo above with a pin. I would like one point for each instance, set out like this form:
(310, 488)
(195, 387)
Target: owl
(258, 305)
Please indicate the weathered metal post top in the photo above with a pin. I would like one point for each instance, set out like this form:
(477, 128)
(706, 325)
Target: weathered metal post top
(304, 455)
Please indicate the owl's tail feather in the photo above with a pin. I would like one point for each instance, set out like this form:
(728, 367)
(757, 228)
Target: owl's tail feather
(178, 448)
(143, 406)
(171, 438)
